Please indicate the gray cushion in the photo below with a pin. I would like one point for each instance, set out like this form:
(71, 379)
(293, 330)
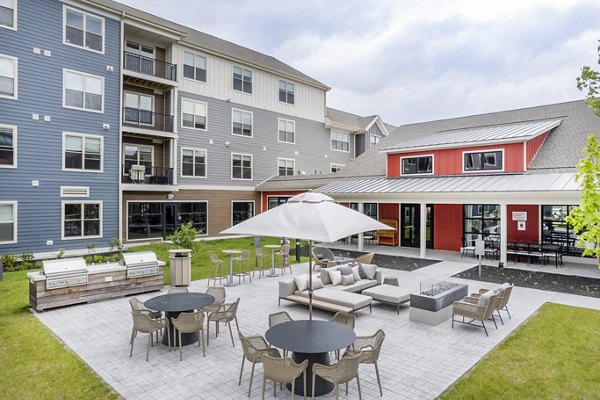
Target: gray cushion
(345, 269)
(370, 270)
(301, 282)
(356, 273)
(347, 280)
(325, 275)
(389, 293)
(335, 277)
(342, 298)
(361, 271)
(317, 283)
(485, 298)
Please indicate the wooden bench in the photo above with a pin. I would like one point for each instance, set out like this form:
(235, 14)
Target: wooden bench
(388, 237)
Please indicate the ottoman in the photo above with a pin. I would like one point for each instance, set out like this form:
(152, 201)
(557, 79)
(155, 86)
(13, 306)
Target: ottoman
(389, 294)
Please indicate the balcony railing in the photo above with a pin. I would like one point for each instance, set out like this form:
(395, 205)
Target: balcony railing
(149, 66)
(147, 119)
(146, 174)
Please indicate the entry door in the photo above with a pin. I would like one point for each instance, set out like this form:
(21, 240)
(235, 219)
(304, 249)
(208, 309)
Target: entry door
(171, 219)
(411, 225)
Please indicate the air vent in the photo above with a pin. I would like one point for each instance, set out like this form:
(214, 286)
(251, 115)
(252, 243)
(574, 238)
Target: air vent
(74, 191)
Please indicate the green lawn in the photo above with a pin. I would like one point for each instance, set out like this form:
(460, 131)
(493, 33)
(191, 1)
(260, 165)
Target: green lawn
(555, 355)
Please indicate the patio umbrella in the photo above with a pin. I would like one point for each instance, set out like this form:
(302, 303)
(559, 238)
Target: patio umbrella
(308, 216)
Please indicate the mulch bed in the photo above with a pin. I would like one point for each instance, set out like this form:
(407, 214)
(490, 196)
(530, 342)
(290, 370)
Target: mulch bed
(536, 280)
(392, 262)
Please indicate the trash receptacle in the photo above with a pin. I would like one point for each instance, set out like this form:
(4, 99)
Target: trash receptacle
(181, 267)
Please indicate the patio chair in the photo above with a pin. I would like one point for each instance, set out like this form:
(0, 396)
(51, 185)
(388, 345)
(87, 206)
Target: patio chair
(138, 306)
(283, 370)
(368, 349)
(188, 322)
(284, 253)
(178, 289)
(144, 324)
(322, 255)
(259, 256)
(467, 247)
(217, 266)
(254, 347)
(346, 319)
(504, 292)
(476, 309)
(218, 292)
(279, 318)
(364, 259)
(343, 371)
(226, 315)
(243, 268)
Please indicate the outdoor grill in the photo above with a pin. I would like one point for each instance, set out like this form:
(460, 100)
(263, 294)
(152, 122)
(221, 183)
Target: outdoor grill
(65, 273)
(143, 263)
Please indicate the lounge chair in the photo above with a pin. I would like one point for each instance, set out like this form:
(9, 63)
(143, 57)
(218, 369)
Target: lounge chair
(322, 256)
(504, 292)
(364, 259)
(476, 309)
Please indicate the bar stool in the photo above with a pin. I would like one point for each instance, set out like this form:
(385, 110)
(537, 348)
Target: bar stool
(243, 268)
(217, 266)
(259, 255)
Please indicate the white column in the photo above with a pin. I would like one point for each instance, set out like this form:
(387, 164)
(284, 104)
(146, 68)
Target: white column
(503, 232)
(423, 230)
(361, 209)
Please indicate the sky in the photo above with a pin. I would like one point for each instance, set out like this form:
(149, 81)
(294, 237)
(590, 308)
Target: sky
(413, 61)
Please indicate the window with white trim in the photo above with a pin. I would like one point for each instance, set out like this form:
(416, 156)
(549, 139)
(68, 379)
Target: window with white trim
(83, 91)
(193, 162)
(483, 161)
(241, 122)
(194, 66)
(138, 109)
(8, 146)
(82, 219)
(8, 14)
(138, 154)
(83, 30)
(242, 80)
(8, 222)
(241, 166)
(286, 166)
(8, 76)
(373, 139)
(340, 140)
(241, 211)
(286, 92)
(417, 165)
(193, 114)
(82, 152)
(287, 130)
(336, 167)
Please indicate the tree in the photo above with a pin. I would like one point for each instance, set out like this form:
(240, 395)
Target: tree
(184, 236)
(585, 218)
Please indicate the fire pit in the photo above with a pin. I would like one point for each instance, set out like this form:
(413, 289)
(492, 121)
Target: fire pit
(433, 304)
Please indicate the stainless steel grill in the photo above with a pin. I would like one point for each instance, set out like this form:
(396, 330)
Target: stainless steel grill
(65, 273)
(143, 263)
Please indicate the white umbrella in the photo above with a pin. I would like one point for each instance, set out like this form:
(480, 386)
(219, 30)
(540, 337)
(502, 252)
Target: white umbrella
(309, 216)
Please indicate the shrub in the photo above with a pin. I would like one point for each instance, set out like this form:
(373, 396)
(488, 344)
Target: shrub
(8, 261)
(116, 245)
(184, 236)
(91, 247)
(26, 260)
(61, 254)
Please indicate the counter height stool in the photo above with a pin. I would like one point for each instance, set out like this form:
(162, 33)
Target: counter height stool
(243, 268)
(217, 265)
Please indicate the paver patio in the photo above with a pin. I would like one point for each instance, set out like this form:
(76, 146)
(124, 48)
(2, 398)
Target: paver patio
(417, 361)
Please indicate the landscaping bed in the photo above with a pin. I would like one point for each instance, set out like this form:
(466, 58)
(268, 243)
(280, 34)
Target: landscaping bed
(391, 262)
(536, 280)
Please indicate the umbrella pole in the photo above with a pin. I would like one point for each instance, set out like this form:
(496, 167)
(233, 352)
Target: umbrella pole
(310, 288)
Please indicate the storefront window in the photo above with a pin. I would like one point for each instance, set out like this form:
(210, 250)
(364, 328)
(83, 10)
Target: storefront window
(555, 230)
(481, 219)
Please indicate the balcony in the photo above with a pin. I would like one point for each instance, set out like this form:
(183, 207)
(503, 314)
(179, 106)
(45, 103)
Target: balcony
(146, 175)
(149, 66)
(144, 119)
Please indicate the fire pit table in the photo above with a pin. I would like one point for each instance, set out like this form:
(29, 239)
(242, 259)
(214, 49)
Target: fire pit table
(433, 304)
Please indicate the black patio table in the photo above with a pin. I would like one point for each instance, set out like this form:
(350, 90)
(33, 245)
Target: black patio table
(312, 341)
(175, 303)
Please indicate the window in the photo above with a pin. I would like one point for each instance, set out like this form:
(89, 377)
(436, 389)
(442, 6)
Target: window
(340, 140)
(193, 114)
(373, 139)
(417, 165)
(82, 219)
(274, 201)
(8, 222)
(287, 130)
(195, 212)
(84, 30)
(242, 80)
(555, 230)
(241, 211)
(241, 166)
(336, 167)
(159, 219)
(193, 162)
(194, 66)
(83, 91)
(138, 109)
(8, 14)
(483, 161)
(139, 57)
(241, 123)
(369, 209)
(82, 152)
(8, 146)
(8, 76)
(481, 219)
(137, 154)
(286, 166)
(286, 92)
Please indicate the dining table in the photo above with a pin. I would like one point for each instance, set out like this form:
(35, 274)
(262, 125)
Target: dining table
(232, 254)
(273, 247)
(310, 340)
(175, 303)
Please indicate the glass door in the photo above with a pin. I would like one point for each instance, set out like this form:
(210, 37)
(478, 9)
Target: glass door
(410, 227)
(171, 219)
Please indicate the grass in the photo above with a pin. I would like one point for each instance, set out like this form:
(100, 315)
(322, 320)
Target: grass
(553, 356)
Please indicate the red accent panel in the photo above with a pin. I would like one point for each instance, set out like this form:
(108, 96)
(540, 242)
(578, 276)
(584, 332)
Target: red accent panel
(265, 195)
(393, 165)
(447, 226)
(534, 145)
(531, 234)
(388, 211)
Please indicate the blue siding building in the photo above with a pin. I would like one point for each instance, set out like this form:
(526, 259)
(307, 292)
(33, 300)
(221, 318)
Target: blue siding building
(59, 126)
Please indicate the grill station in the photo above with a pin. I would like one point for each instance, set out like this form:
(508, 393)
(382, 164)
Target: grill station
(64, 273)
(138, 264)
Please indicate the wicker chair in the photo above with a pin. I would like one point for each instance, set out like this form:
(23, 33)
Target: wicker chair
(346, 319)
(368, 349)
(279, 318)
(217, 266)
(144, 324)
(218, 292)
(284, 253)
(321, 256)
(178, 289)
(254, 347)
(138, 306)
(283, 370)
(259, 255)
(341, 372)
(475, 309)
(364, 259)
(243, 268)
(226, 315)
(188, 322)
(504, 292)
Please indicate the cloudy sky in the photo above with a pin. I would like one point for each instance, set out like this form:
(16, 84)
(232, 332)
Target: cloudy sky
(412, 61)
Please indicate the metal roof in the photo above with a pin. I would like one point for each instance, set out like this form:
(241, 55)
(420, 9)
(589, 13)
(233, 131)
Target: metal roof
(455, 184)
(478, 135)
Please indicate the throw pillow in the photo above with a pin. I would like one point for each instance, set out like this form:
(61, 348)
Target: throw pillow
(356, 273)
(485, 298)
(370, 270)
(345, 269)
(336, 277)
(316, 283)
(325, 275)
(347, 280)
(301, 282)
(361, 271)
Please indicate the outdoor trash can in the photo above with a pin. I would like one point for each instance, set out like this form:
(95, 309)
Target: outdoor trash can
(181, 267)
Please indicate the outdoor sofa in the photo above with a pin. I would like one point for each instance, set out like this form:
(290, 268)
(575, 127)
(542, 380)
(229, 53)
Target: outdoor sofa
(334, 297)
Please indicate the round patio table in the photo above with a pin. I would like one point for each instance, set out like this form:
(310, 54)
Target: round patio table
(273, 247)
(231, 253)
(175, 303)
(312, 341)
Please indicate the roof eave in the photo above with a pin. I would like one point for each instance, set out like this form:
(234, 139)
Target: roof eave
(522, 139)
